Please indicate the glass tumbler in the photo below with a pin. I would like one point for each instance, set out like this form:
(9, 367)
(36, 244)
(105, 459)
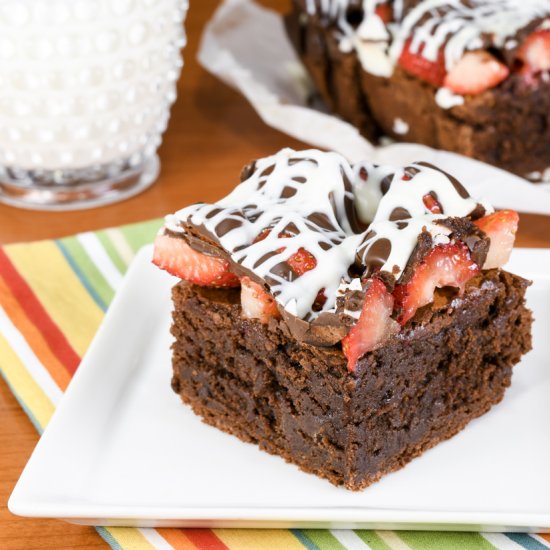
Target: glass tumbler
(86, 88)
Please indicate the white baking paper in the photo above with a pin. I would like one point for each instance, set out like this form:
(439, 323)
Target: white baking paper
(245, 45)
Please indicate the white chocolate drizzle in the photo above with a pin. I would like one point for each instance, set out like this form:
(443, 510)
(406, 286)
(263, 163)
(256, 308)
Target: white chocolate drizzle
(401, 214)
(310, 200)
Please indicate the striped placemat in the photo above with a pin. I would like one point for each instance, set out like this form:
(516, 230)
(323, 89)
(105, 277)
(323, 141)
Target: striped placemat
(53, 295)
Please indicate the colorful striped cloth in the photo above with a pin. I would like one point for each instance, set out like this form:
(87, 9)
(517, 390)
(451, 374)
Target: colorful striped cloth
(53, 295)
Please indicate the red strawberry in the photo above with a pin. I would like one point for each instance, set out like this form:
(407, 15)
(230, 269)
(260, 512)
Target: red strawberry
(174, 255)
(385, 12)
(302, 261)
(475, 72)
(374, 325)
(414, 63)
(256, 303)
(431, 204)
(262, 235)
(319, 301)
(444, 265)
(535, 52)
(501, 228)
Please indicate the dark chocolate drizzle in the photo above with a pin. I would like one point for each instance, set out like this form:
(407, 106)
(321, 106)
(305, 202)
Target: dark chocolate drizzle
(399, 213)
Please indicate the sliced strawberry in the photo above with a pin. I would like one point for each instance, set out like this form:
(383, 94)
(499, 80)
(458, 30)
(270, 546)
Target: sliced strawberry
(302, 261)
(414, 63)
(374, 326)
(256, 303)
(385, 12)
(534, 53)
(262, 235)
(178, 258)
(430, 202)
(319, 301)
(444, 265)
(501, 228)
(475, 72)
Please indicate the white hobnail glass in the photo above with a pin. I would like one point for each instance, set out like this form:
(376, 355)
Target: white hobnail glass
(86, 88)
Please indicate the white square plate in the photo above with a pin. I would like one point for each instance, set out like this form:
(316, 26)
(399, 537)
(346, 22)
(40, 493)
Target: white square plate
(122, 450)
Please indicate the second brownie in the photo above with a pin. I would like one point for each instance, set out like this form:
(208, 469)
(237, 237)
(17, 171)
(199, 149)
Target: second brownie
(508, 126)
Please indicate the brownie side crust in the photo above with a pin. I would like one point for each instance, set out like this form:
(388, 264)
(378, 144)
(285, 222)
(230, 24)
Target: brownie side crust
(508, 126)
(450, 364)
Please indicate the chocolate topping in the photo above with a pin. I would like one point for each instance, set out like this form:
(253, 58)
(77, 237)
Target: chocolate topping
(306, 204)
(327, 330)
(399, 213)
(375, 256)
(467, 232)
(248, 170)
(424, 244)
(385, 184)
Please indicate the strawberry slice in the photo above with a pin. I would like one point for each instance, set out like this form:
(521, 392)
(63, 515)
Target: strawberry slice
(302, 261)
(256, 303)
(431, 203)
(319, 301)
(444, 265)
(374, 326)
(175, 256)
(501, 228)
(417, 65)
(475, 72)
(534, 53)
(385, 12)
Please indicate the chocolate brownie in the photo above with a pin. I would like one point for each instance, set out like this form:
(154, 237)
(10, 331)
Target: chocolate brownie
(471, 77)
(345, 317)
(301, 402)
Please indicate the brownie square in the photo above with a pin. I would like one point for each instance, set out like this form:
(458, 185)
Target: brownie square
(450, 364)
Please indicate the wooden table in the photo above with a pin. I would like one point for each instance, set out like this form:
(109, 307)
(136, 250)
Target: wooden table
(213, 133)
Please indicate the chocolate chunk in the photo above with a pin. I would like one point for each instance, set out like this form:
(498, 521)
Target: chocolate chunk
(467, 232)
(386, 183)
(399, 213)
(424, 244)
(377, 255)
(288, 191)
(248, 170)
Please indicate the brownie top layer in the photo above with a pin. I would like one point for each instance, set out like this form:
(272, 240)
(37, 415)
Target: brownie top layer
(345, 223)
